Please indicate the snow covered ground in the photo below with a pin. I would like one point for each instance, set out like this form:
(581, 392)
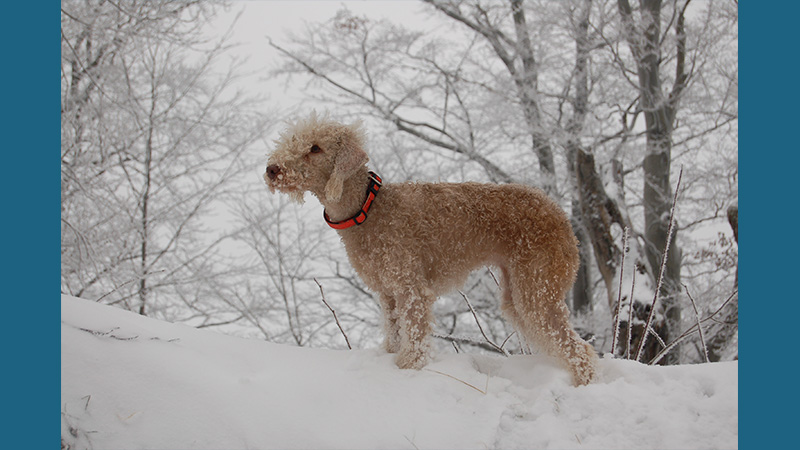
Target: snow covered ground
(129, 382)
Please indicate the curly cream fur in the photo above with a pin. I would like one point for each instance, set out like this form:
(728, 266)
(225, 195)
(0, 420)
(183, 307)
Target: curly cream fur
(421, 240)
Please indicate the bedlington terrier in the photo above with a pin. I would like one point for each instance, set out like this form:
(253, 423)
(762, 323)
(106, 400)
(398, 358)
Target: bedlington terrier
(411, 242)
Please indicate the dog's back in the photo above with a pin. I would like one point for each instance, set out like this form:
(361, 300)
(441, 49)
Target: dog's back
(446, 230)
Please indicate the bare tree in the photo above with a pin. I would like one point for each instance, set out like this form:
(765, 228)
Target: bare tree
(582, 291)
(153, 134)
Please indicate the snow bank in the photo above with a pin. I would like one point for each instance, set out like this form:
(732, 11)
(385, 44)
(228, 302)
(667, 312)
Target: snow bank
(132, 382)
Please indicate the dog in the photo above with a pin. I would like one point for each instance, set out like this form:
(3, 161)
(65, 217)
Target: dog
(412, 242)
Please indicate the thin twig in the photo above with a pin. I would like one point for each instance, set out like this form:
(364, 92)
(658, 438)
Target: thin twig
(523, 344)
(662, 269)
(506, 339)
(334, 314)
(699, 327)
(658, 338)
(411, 442)
(630, 313)
(493, 277)
(465, 340)
(472, 310)
(126, 283)
(619, 291)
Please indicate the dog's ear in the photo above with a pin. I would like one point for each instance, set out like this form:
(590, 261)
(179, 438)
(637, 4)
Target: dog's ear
(351, 156)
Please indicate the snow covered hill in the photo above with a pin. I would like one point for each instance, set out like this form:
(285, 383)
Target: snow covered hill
(129, 382)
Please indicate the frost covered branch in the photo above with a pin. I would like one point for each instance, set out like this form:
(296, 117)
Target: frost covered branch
(630, 314)
(662, 269)
(322, 293)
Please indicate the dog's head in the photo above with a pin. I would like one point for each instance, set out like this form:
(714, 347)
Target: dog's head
(315, 155)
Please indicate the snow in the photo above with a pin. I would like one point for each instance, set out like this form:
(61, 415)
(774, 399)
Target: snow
(131, 382)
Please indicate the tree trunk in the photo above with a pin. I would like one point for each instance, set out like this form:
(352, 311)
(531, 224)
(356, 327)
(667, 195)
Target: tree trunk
(145, 218)
(145, 225)
(659, 112)
(582, 290)
(601, 212)
(527, 85)
(657, 205)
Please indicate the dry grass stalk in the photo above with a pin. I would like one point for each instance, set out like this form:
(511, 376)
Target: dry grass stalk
(484, 391)
(619, 293)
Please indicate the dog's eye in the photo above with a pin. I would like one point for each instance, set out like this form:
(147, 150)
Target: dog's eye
(315, 149)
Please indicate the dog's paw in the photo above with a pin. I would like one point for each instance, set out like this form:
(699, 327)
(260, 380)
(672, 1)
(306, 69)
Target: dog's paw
(583, 376)
(391, 345)
(411, 359)
(584, 367)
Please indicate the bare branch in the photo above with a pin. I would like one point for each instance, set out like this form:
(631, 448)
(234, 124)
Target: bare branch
(691, 330)
(662, 270)
(472, 310)
(469, 341)
(334, 315)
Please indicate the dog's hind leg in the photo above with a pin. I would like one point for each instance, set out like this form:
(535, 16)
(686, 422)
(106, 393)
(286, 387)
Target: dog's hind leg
(538, 297)
(554, 332)
(507, 303)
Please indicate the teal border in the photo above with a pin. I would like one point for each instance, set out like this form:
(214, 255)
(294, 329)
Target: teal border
(768, 161)
(30, 223)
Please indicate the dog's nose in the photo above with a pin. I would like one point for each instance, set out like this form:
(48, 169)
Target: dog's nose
(273, 171)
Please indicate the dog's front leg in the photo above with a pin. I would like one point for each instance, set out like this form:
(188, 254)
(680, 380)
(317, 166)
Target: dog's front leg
(391, 327)
(415, 323)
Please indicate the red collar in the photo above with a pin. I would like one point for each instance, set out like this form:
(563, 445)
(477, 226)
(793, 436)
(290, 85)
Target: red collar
(361, 216)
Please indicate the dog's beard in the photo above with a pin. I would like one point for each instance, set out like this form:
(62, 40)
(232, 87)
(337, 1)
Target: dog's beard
(297, 196)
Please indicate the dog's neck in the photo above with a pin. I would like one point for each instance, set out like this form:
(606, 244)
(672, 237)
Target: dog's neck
(354, 192)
